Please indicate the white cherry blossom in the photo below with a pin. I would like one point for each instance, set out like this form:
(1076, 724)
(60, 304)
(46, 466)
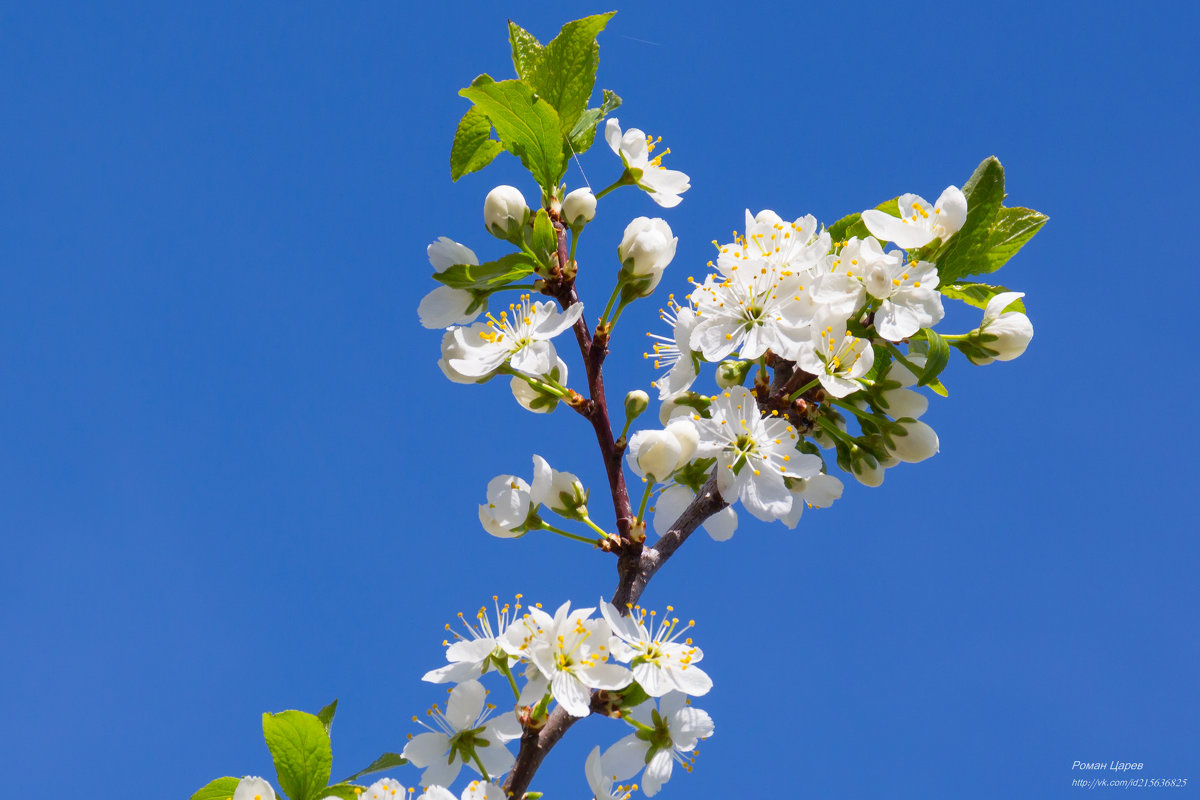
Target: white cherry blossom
(659, 660)
(601, 782)
(836, 357)
(634, 147)
(754, 454)
(819, 491)
(920, 222)
(445, 305)
(385, 789)
(675, 729)
(522, 340)
(674, 353)
(461, 734)
(1012, 330)
(253, 788)
(474, 653)
(797, 246)
(909, 301)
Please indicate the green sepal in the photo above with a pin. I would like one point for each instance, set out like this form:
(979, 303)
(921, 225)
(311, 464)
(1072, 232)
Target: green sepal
(473, 148)
(527, 125)
(220, 789)
(977, 294)
(695, 473)
(299, 745)
(489, 276)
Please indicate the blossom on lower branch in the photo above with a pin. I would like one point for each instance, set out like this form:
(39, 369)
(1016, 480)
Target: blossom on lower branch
(463, 734)
(665, 735)
(522, 340)
(660, 662)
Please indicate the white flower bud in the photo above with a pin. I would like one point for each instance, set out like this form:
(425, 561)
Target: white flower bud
(688, 437)
(918, 442)
(1012, 330)
(636, 402)
(732, 373)
(452, 349)
(579, 207)
(505, 211)
(654, 454)
(646, 249)
(904, 403)
(868, 472)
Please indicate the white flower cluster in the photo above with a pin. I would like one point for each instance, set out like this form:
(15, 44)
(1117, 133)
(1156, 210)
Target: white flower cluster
(563, 659)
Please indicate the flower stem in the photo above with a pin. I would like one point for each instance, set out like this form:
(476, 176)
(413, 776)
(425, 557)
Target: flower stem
(561, 532)
(574, 241)
(804, 389)
(479, 764)
(603, 533)
(645, 499)
(625, 180)
(833, 430)
(855, 410)
(616, 293)
(553, 388)
(506, 670)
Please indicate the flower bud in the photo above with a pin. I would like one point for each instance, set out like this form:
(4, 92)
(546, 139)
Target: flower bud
(646, 249)
(904, 403)
(636, 402)
(732, 373)
(654, 454)
(452, 348)
(867, 470)
(688, 437)
(505, 211)
(1007, 334)
(579, 207)
(917, 443)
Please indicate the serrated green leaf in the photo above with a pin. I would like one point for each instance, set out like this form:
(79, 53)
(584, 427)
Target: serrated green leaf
(936, 357)
(527, 125)
(326, 714)
(488, 276)
(566, 72)
(385, 761)
(345, 791)
(299, 745)
(1011, 229)
(584, 132)
(526, 50)
(473, 148)
(963, 254)
(852, 225)
(220, 789)
(976, 294)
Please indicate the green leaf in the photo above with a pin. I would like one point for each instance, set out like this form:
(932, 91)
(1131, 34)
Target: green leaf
(852, 225)
(1011, 229)
(545, 239)
(528, 126)
(299, 744)
(976, 294)
(936, 358)
(526, 50)
(346, 791)
(385, 761)
(474, 148)
(965, 250)
(489, 276)
(326, 714)
(566, 72)
(220, 789)
(584, 132)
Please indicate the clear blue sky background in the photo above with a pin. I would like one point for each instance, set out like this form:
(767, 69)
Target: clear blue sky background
(233, 480)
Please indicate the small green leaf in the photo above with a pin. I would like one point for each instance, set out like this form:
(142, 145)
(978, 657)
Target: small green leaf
(326, 714)
(545, 238)
(385, 761)
(976, 294)
(566, 73)
(299, 744)
(489, 276)
(473, 148)
(526, 50)
(584, 132)
(936, 357)
(528, 126)
(346, 791)
(220, 789)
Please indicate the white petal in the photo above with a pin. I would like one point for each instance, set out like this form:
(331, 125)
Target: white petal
(626, 757)
(465, 703)
(721, 525)
(426, 748)
(658, 772)
(572, 695)
(446, 306)
(446, 253)
(894, 230)
(252, 788)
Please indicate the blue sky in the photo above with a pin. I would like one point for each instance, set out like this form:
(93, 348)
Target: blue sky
(232, 479)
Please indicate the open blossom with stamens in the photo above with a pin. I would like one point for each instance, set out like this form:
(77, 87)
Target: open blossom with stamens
(445, 305)
(634, 147)
(660, 661)
(601, 782)
(570, 651)
(666, 735)
(460, 735)
(521, 339)
(385, 789)
(475, 790)
(754, 454)
(674, 353)
(750, 308)
(909, 300)
(836, 357)
(253, 788)
(920, 222)
(476, 652)
(797, 246)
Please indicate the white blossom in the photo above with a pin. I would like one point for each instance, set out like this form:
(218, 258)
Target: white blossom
(646, 249)
(579, 207)
(797, 246)
(676, 729)
(674, 353)
(385, 789)
(919, 222)
(909, 301)
(634, 147)
(533, 399)
(819, 491)
(659, 660)
(601, 782)
(1012, 329)
(522, 340)
(445, 305)
(455, 737)
(836, 357)
(253, 788)
(484, 643)
(754, 454)
(505, 211)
